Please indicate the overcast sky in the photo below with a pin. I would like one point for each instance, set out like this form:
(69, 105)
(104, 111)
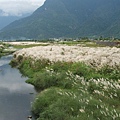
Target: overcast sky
(18, 7)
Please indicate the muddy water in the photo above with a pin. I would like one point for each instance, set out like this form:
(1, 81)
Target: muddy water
(15, 94)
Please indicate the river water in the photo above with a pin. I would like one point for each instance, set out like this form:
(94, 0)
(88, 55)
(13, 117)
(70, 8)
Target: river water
(15, 94)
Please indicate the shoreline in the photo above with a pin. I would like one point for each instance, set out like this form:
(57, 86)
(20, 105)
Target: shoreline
(6, 50)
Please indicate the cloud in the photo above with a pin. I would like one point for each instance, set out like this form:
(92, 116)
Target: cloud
(19, 7)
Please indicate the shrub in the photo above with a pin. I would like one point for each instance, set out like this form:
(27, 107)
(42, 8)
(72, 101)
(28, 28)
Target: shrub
(13, 63)
(44, 100)
(20, 58)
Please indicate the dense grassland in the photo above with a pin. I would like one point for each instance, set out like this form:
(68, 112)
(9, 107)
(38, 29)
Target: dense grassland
(72, 90)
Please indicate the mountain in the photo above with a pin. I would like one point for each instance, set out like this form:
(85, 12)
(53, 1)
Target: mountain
(6, 20)
(68, 18)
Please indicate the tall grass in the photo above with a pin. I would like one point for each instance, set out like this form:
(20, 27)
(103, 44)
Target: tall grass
(72, 91)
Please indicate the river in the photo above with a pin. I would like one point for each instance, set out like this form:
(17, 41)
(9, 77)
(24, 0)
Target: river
(15, 95)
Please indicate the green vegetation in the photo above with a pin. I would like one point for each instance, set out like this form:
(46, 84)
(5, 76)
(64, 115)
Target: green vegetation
(72, 91)
(4, 49)
(28, 46)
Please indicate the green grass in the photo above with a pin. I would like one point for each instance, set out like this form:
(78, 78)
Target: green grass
(72, 91)
(28, 46)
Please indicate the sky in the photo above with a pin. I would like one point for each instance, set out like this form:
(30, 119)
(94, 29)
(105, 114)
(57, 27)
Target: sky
(18, 7)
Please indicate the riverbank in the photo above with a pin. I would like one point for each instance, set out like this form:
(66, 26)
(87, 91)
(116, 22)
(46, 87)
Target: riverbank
(6, 49)
(73, 82)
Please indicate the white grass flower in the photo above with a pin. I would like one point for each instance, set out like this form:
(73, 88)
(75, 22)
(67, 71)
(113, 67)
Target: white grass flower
(98, 57)
(82, 110)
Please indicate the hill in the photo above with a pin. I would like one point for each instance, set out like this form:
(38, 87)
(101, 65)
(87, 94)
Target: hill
(68, 18)
(7, 19)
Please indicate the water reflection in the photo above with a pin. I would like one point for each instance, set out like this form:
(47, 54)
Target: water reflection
(5, 60)
(15, 100)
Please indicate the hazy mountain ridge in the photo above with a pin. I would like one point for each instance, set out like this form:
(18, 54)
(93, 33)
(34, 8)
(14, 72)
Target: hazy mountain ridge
(68, 18)
(5, 20)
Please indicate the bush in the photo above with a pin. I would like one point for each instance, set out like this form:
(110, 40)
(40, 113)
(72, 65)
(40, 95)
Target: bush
(20, 58)
(44, 79)
(44, 100)
(13, 63)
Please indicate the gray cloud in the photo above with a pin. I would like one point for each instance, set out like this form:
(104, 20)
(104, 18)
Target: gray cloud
(18, 7)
